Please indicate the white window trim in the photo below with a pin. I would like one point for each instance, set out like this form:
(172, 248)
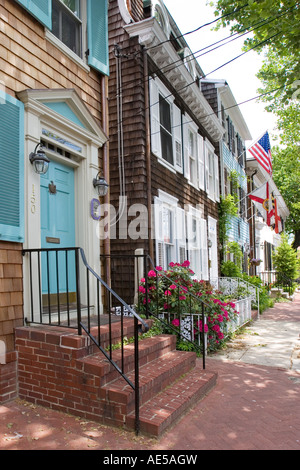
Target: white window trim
(39, 116)
(209, 149)
(192, 128)
(158, 88)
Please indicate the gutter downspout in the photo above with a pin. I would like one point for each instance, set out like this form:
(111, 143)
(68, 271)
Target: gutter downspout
(148, 155)
(104, 92)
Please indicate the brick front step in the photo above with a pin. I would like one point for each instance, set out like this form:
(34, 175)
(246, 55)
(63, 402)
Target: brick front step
(166, 408)
(149, 350)
(154, 377)
(62, 370)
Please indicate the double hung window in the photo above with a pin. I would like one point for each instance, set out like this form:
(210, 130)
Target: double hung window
(193, 156)
(166, 130)
(78, 28)
(166, 140)
(67, 25)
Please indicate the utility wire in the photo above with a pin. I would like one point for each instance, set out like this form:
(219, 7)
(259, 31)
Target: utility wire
(200, 27)
(233, 37)
(230, 107)
(180, 63)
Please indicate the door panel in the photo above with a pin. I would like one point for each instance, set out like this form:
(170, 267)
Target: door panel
(58, 229)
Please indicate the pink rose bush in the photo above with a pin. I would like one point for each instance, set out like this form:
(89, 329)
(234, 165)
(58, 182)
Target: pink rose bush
(174, 293)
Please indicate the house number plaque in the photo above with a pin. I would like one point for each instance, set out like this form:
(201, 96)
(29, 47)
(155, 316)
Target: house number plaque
(33, 200)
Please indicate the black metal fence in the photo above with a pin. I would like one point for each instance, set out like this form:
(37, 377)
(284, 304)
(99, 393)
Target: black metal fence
(65, 291)
(127, 270)
(277, 280)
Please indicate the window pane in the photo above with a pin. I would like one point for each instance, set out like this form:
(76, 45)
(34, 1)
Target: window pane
(73, 5)
(65, 26)
(165, 114)
(70, 32)
(55, 20)
(166, 146)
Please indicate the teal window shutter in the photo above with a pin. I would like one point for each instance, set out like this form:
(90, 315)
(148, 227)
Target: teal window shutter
(40, 9)
(11, 169)
(98, 35)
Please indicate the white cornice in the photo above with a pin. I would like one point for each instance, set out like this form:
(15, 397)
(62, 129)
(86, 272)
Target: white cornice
(233, 110)
(153, 38)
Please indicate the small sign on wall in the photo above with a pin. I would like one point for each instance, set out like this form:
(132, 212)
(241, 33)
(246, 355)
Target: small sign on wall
(95, 204)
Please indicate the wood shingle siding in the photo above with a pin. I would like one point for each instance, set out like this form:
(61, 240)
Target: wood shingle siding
(29, 60)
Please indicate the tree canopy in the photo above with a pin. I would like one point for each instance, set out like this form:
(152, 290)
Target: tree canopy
(273, 27)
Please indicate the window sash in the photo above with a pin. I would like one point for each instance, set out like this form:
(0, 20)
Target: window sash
(67, 26)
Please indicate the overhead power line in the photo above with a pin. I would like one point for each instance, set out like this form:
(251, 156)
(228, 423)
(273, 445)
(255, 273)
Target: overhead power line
(202, 26)
(192, 56)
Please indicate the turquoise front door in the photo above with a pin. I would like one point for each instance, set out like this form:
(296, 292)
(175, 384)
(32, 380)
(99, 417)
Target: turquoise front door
(58, 229)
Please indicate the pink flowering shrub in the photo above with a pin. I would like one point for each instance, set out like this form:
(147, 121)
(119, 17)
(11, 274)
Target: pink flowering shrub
(175, 292)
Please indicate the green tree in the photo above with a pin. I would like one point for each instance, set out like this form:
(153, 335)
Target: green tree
(285, 259)
(273, 27)
(286, 174)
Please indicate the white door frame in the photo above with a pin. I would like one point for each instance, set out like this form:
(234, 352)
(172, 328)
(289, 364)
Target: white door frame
(88, 137)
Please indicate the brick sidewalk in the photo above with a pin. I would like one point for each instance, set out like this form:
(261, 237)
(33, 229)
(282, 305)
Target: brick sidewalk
(252, 407)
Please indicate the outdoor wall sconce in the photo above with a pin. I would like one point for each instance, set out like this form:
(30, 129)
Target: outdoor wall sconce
(39, 160)
(101, 185)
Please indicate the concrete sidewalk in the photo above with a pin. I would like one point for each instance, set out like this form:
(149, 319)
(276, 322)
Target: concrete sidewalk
(255, 405)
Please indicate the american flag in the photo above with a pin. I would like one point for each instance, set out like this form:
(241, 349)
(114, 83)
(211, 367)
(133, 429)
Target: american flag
(261, 151)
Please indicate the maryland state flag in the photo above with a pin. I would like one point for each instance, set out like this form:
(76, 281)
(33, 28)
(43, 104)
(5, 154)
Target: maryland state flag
(266, 204)
(263, 201)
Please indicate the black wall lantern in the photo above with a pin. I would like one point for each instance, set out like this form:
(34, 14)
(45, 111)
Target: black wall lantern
(101, 185)
(39, 160)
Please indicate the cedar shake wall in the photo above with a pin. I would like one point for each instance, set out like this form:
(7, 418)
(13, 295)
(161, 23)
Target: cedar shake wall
(135, 147)
(133, 119)
(29, 61)
(11, 291)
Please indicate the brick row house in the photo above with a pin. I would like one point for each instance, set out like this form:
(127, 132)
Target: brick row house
(94, 93)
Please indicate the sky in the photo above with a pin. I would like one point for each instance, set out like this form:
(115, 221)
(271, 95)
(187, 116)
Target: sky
(240, 74)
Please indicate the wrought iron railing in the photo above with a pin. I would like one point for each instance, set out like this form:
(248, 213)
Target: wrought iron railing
(65, 291)
(278, 280)
(127, 270)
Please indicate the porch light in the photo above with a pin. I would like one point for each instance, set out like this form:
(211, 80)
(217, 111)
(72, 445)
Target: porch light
(101, 185)
(39, 160)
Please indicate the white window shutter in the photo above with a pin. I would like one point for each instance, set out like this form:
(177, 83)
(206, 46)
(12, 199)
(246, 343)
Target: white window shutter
(155, 118)
(186, 148)
(206, 162)
(204, 250)
(158, 227)
(217, 181)
(201, 163)
(181, 234)
(177, 137)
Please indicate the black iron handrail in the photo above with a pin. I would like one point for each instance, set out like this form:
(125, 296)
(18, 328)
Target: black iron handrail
(278, 279)
(140, 325)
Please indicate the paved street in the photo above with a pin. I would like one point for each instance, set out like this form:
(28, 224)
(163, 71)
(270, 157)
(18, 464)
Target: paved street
(255, 405)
